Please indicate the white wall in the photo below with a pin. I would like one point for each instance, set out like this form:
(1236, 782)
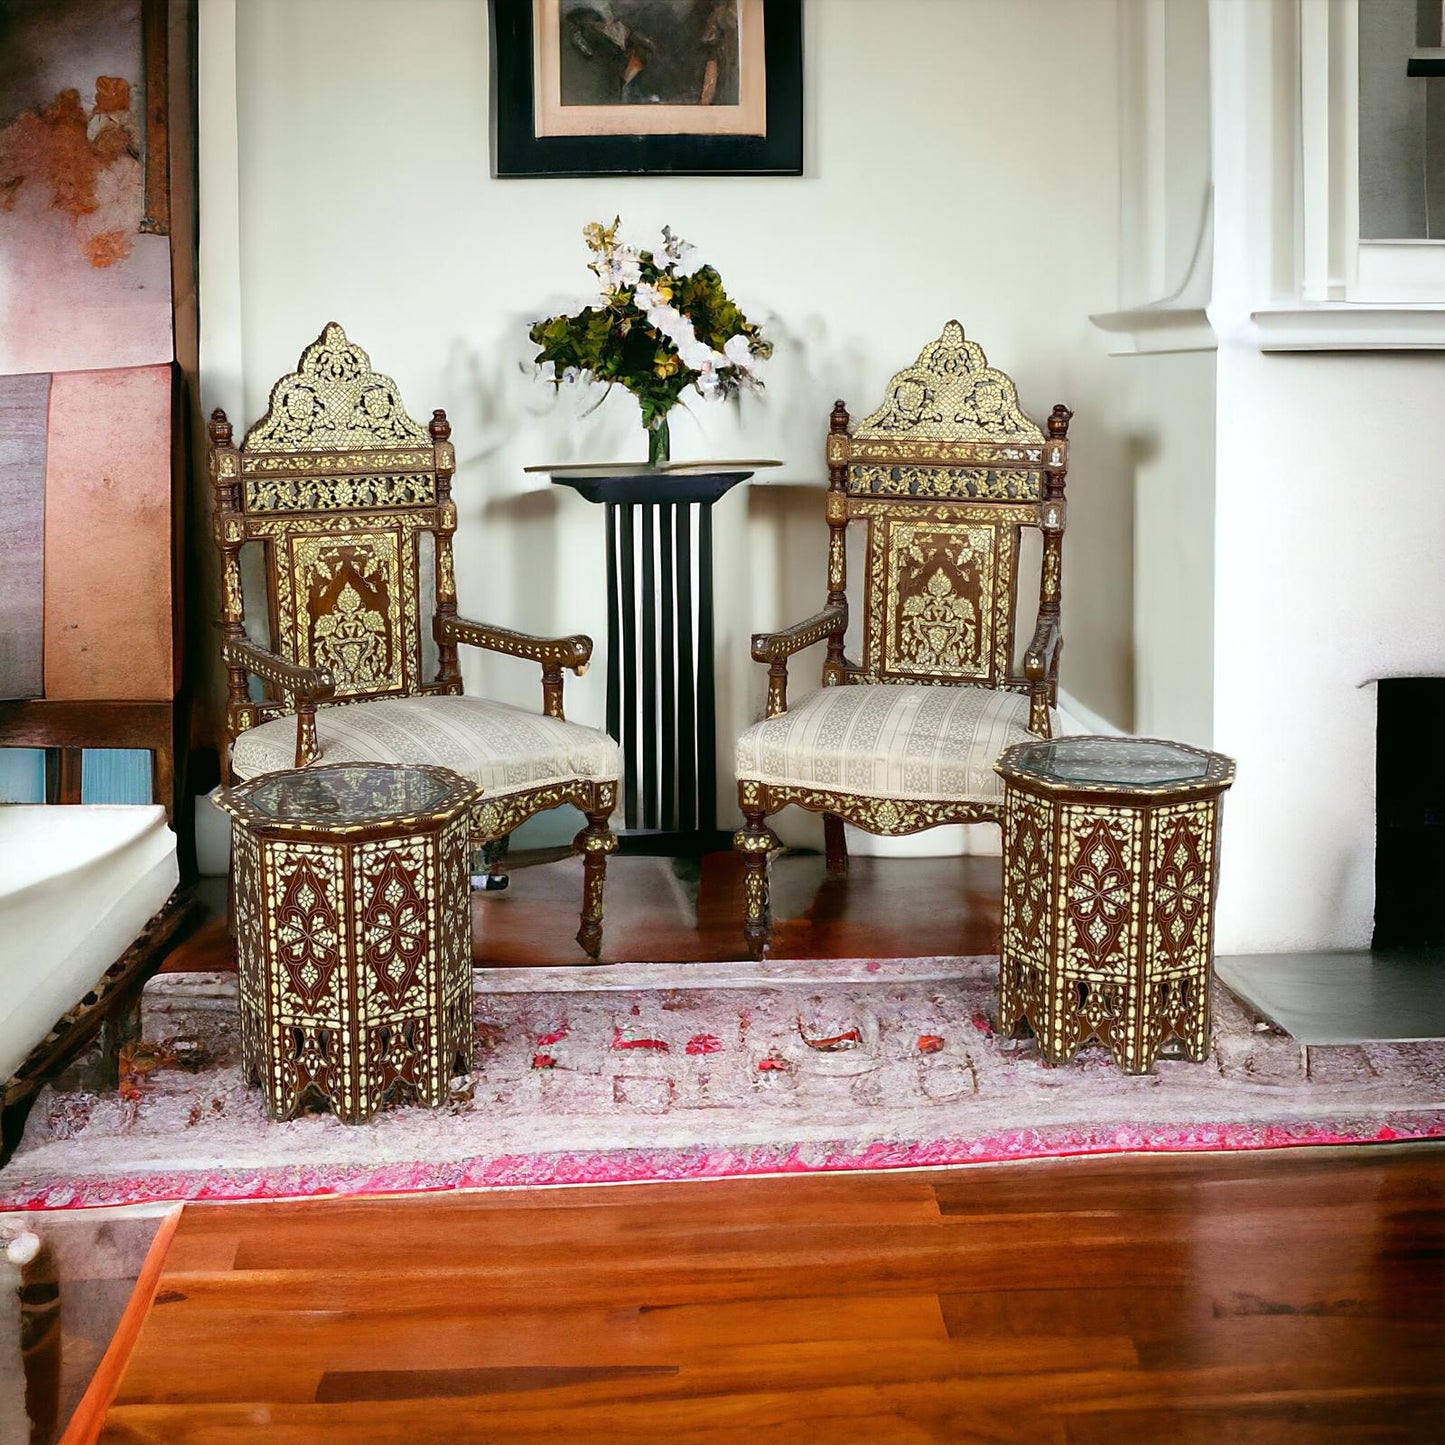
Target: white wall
(1329, 513)
(944, 177)
(1172, 460)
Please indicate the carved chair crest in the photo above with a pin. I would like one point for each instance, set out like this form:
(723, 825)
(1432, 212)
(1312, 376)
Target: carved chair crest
(334, 401)
(950, 393)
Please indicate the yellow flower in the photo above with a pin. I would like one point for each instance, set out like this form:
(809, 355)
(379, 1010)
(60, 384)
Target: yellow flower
(667, 364)
(600, 237)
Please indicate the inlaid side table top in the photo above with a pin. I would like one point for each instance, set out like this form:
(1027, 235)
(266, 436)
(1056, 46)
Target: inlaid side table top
(345, 800)
(353, 934)
(1110, 874)
(1106, 765)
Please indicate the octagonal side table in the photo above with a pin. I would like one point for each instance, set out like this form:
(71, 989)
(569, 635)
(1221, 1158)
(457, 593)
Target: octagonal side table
(1110, 850)
(353, 934)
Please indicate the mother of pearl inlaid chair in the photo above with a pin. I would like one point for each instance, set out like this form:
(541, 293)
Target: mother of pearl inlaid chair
(940, 479)
(350, 502)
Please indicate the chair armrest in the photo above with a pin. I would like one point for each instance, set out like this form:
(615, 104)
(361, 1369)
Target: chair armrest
(1043, 651)
(780, 645)
(306, 685)
(553, 653)
(313, 684)
(775, 648)
(574, 651)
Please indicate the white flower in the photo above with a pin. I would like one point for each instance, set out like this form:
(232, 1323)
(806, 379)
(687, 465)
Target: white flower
(737, 353)
(696, 355)
(673, 325)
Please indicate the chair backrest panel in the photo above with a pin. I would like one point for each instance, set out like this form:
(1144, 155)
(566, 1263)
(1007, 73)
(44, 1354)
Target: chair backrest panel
(939, 595)
(943, 474)
(339, 484)
(348, 600)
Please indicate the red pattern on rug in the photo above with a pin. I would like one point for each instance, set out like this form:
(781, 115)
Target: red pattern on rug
(667, 1072)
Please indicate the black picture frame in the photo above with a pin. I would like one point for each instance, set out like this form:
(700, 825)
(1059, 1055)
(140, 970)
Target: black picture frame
(517, 150)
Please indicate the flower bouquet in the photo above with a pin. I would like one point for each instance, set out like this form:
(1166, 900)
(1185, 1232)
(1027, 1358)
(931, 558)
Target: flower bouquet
(662, 325)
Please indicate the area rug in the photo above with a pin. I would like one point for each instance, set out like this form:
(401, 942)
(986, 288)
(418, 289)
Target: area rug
(691, 1071)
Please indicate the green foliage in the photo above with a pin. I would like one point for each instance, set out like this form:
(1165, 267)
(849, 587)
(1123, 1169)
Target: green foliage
(657, 329)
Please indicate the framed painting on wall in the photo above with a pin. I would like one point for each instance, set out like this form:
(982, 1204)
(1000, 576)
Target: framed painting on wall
(647, 87)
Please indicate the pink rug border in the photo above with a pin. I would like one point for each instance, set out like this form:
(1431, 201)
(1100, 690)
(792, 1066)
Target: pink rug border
(657, 1166)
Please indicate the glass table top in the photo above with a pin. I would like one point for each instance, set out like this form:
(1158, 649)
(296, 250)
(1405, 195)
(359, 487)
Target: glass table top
(351, 793)
(1122, 762)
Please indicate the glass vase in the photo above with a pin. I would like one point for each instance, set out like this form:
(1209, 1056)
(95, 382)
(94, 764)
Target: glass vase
(659, 443)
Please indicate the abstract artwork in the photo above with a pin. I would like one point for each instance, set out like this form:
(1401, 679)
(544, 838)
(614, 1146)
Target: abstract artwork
(82, 284)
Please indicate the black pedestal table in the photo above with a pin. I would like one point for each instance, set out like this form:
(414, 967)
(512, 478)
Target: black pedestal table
(660, 693)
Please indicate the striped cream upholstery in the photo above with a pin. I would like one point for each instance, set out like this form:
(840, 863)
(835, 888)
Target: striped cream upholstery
(505, 749)
(889, 740)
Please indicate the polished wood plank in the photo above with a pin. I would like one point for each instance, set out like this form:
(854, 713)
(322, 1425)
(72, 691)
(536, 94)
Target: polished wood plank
(1289, 1296)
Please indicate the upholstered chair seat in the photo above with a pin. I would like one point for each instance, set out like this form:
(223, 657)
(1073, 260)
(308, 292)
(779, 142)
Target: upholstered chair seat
(505, 749)
(889, 740)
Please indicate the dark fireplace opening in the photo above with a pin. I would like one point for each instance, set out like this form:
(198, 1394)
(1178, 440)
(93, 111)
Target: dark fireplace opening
(1409, 813)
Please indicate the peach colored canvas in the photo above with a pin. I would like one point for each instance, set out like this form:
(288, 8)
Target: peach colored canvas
(108, 535)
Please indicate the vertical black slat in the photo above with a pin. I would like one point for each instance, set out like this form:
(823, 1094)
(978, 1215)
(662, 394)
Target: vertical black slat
(686, 677)
(706, 712)
(614, 640)
(648, 660)
(628, 738)
(667, 612)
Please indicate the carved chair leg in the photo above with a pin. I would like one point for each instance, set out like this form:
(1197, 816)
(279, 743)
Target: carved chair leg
(835, 841)
(755, 840)
(594, 843)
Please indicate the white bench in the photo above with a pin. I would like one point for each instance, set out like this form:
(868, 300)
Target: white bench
(86, 908)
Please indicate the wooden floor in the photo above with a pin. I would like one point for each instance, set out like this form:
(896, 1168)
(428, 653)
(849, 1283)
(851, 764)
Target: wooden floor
(1288, 1297)
(671, 909)
(1297, 1296)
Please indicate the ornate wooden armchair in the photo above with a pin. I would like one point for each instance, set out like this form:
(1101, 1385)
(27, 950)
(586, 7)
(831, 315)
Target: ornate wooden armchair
(343, 489)
(942, 477)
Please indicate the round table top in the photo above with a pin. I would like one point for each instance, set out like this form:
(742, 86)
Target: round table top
(633, 482)
(1123, 764)
(343, 797)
